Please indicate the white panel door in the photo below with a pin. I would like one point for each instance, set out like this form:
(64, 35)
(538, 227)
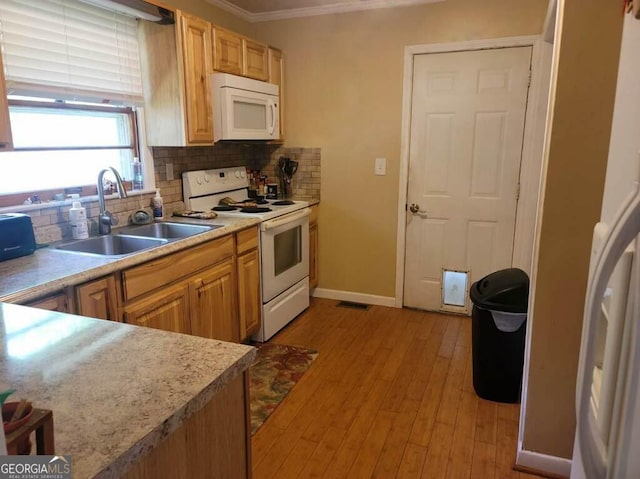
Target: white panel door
(467, 123)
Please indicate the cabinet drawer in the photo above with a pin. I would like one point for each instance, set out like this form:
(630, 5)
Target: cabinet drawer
(247, 239)
(142, 279)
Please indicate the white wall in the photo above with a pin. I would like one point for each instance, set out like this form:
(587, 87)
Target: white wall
(623, 166)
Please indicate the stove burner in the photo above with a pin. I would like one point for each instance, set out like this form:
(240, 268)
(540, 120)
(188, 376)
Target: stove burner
(255, 209)
(283, 203)
(258, 201)
(224, 208)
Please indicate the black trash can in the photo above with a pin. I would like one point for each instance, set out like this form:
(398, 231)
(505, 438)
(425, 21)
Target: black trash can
(498, 326)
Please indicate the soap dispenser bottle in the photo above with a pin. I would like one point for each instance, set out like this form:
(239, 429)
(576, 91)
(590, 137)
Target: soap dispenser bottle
(158, 213)
(78, 221)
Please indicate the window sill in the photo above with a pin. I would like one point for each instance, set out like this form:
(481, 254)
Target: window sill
(68, 202)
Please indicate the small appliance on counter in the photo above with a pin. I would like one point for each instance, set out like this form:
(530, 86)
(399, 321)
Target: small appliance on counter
(16, 236)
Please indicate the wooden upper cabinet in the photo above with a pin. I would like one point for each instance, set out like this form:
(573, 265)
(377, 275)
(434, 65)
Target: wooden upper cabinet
(276, 67)
(196, 55)
(233, 53)
(6, 141)
(176, 63)
(227, 51)
(256, 60)
(276, 76)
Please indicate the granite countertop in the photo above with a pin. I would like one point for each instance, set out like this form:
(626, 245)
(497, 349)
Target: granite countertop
(115, 390)
(49, 270)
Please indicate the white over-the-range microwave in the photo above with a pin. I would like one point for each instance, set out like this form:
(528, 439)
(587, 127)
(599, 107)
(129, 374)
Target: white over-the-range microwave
(244, 109)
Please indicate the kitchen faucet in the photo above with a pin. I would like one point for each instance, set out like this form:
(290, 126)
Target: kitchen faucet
(105, 219)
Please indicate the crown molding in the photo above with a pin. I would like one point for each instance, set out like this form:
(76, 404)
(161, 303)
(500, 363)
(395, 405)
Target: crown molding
(339, 7)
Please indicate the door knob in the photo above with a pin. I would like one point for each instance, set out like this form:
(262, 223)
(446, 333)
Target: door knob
(415, 208)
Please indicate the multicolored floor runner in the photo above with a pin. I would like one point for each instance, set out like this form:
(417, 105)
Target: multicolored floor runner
(276, 370)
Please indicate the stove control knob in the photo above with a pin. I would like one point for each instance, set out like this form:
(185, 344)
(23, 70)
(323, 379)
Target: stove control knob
(207, 178)
(237, 173)
(242, 174)
(199, 180)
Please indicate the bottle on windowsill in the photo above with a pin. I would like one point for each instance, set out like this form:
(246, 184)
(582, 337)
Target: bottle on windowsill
(138, 181)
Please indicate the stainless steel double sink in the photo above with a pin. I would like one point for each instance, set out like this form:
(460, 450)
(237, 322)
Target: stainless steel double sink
(133, 239)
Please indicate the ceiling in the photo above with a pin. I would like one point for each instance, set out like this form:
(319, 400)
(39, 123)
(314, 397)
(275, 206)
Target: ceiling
(266, 10)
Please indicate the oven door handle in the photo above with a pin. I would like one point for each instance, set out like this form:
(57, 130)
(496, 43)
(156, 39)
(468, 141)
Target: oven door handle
(286, 219)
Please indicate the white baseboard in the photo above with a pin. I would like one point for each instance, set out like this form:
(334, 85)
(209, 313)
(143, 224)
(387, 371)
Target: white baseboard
(354, 297)
(544, 463)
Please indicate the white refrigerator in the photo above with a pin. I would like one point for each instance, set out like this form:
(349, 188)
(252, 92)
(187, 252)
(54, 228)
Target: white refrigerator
(607, 442)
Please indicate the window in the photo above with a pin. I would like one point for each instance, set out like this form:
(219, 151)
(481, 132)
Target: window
(74, 82)
(59, 145)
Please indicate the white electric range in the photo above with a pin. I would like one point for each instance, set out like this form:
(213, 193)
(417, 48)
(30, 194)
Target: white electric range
(284, 240)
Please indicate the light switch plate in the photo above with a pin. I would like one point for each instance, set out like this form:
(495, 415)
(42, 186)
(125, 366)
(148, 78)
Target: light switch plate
(381, 166)
(169, 167)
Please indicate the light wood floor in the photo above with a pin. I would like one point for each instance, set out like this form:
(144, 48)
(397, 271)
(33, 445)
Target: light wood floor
(390, 395)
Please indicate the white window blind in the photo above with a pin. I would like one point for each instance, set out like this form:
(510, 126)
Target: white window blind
(69, 50)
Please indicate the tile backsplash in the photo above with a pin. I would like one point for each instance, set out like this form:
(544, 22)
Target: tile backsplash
(306, 181)
(51, 220)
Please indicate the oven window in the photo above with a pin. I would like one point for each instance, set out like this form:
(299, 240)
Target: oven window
(287, 249)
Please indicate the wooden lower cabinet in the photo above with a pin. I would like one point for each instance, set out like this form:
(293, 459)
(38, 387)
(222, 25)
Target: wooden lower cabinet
(213, 303)
(98, 299)
(313, 248)
(213, 443)
(249, 299)
(59, 302)
(168, 309)
(156, 274)
(205, 290)
(249, 292)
